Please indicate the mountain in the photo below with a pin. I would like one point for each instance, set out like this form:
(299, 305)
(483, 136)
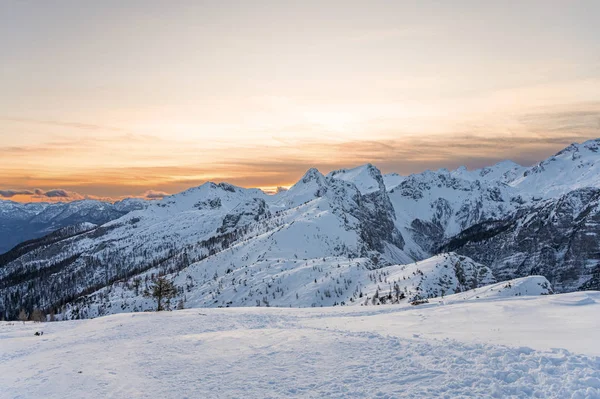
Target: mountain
(554, 231)
(343, 238)
(557, 238)
(316, 218)
(20, 222)
(433, 206)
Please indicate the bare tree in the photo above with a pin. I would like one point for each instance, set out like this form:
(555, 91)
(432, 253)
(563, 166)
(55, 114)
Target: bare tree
(23, 316)
(38, 316)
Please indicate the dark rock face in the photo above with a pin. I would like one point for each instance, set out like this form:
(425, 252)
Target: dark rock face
(427, 234)
(248, 212)
(379, 226)
(373, 211)
(558, 238)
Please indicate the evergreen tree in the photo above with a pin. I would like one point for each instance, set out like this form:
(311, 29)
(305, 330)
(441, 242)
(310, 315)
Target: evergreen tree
(162, 289)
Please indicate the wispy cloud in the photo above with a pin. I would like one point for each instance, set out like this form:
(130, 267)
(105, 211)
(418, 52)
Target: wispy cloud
(101, 166)
(410, 154)
(152, 194)
(63, 124)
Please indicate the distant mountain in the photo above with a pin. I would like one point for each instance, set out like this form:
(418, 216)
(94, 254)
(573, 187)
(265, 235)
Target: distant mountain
(20, 222)
(328, 240)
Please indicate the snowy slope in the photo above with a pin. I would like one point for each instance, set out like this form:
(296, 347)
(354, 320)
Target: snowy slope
(524, 286)
(440, 275)
(575, 167)
(367, 178)
(260, 276)
(503, 172)
(502, 348)
(391, 180)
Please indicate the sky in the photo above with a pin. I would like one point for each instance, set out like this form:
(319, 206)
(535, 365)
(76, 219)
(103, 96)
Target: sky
(112, 98)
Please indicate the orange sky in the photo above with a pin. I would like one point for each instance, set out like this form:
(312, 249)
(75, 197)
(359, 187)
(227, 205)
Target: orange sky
(108, 100)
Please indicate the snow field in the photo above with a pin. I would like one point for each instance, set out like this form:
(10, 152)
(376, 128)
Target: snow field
(489, 348)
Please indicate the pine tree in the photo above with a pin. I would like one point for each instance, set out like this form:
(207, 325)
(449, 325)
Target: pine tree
(162, 289)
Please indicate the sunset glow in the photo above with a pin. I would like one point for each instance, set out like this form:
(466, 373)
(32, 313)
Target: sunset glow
(107, 100)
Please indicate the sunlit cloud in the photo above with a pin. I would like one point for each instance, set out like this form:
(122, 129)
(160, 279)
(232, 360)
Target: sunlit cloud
(410, 154)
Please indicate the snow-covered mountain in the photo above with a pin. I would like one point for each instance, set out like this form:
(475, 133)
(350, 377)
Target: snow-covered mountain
(319, 217)
(325, 240)
(575, 167)
(20, 222)
(556, 237)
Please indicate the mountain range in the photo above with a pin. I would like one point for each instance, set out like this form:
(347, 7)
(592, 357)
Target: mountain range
(353, 236)
(26, 221)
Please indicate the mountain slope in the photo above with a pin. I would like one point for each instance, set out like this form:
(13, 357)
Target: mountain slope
(240, 276)
(573, 168)
(21, 222)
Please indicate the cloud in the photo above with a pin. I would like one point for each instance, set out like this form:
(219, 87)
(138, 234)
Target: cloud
(52, 195)
(526, 137)
(63, 124)
(284, 165)
(12, 193)
(151, 194)
(57, 193)
(9, 193)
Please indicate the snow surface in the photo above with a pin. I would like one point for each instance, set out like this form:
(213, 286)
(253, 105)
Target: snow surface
(542, 346)
(366, 178)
